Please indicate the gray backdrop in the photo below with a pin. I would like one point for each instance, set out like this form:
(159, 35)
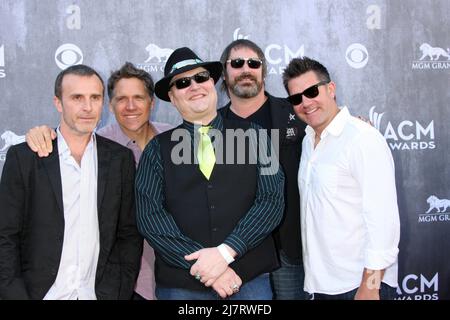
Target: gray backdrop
(390, 60)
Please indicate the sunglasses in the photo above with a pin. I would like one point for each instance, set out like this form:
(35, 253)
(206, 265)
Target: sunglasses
(310, 93)
(186, 81)
(252, 63)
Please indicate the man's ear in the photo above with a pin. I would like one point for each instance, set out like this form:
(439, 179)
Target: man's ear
(58, 104)
(332, 89)
(152, 104)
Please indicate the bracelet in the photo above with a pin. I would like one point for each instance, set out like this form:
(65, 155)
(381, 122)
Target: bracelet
(225, 253)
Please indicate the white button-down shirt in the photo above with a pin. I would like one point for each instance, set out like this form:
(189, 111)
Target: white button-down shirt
(349, 212)
(78, 265)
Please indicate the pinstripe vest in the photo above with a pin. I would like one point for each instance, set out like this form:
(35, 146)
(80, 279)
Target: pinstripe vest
(208, 210)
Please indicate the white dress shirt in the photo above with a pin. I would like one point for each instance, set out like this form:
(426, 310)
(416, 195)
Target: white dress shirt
(78, 265)
(349, 212)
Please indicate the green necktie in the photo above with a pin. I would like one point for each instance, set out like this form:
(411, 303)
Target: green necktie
(205, 154)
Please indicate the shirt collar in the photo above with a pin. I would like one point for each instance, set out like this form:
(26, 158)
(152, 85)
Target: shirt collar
(120, 136)
(63, 148)
(123, 139)
(336, 125)
(216, 123)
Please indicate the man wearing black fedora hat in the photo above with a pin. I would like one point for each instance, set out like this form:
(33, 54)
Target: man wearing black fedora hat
(209, 222)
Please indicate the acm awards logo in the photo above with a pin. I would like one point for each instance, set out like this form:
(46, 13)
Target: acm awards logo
(434, 58)
(277, 55)
(9, 139)
(156, 58)
(406, 135)
(68, 55)
(2, 62)
(419, 287)
(438, 210)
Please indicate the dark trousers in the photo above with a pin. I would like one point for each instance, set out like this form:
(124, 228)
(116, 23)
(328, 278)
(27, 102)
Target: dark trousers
(137, 296)
(386, 293)
(287, 281)
(256, 289)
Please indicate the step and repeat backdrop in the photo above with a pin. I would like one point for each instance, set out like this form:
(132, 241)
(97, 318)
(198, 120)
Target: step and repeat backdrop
(390, 60)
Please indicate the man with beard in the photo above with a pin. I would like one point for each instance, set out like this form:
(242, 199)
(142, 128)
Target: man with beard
(245, 69)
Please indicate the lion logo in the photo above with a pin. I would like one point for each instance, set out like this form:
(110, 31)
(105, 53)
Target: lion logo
(434, 53)
(159, 53)
(436, 203)
(10, 139)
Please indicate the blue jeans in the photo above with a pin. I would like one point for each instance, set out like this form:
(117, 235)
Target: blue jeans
(256, 289)
(386, 293)
(287, 281)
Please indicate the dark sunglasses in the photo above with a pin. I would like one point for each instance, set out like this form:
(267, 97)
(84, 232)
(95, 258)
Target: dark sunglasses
(310, 93)
(186, 81)
(252, 63)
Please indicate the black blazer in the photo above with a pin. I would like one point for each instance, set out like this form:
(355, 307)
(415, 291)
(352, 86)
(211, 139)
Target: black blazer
(292, 131)
(32, 223)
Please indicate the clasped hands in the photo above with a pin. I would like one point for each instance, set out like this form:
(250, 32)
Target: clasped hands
(212, 270)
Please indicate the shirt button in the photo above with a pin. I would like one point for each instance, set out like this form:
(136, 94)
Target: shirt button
(212, 207)
(210, 186)
(214, 229)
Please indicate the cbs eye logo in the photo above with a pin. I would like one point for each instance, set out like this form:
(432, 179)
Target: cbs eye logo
(68, 55)
(357, 56)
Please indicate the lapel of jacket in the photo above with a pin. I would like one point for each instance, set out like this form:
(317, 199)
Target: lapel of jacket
(104, 158)
(284, 119)
(51, 164)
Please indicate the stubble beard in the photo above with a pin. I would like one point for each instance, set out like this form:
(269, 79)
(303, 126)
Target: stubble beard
(246, 91)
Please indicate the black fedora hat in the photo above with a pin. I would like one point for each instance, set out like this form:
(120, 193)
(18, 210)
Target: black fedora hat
(182, 60)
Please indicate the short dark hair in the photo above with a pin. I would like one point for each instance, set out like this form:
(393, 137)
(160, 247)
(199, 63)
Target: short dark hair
(299, 66)
(242, 43)
(79, 70)
(127, 71)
